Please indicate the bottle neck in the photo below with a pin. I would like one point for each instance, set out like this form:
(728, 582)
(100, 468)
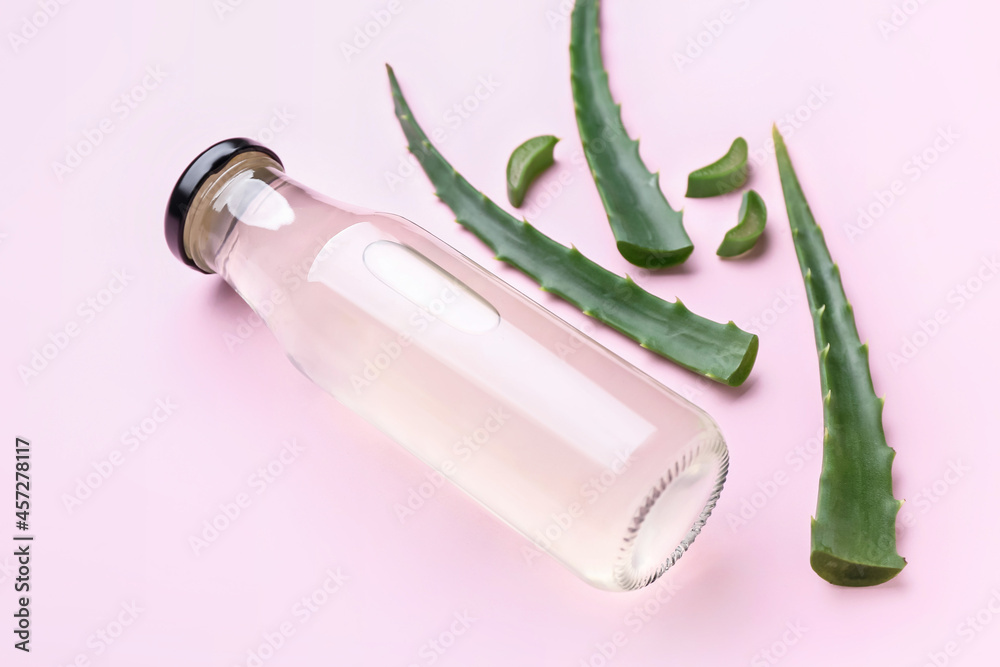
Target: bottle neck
(263, 232)
(239, 194)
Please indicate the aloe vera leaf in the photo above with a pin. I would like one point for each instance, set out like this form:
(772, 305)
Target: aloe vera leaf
(526, 163)
(649, 232)
(726, 174)
(722, 352)
(743, 237)
(854, 530)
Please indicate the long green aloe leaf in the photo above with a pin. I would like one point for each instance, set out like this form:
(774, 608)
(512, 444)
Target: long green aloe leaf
(854, 531)
(649, 232)
(722, 352)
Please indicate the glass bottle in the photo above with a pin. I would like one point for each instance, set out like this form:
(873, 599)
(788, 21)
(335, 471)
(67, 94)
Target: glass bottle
(591, 459)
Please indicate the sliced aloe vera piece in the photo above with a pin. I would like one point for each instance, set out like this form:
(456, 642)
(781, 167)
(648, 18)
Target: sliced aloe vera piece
(649, 232)
(854, 531)
(726, 174)
(721, 352)
(526, 163)
(743, 237)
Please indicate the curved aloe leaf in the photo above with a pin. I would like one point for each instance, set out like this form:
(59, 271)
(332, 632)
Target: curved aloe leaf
(722, 352)
(854, 531)
(726, 174)
(649, 232)
(743, 237)
(526, 163)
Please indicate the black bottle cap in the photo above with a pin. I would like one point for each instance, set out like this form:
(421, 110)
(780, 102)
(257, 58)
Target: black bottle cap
(211, 161)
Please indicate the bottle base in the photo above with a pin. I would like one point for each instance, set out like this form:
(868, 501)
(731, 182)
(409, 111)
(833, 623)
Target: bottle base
(672, 515)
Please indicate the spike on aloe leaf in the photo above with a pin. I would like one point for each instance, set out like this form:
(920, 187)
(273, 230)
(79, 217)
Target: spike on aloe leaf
(717, 351)
(854, 530)
(649, 232)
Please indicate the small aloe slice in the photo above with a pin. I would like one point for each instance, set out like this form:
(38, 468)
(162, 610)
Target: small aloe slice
(726, 174)
(722, 352)
(526, 163)
(743, 237)
(854, 531)
(649, 232)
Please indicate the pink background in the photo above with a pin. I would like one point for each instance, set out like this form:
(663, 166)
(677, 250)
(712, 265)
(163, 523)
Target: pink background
(881, 100)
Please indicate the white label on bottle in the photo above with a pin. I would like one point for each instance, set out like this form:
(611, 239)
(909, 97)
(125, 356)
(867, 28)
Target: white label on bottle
(392, 282)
